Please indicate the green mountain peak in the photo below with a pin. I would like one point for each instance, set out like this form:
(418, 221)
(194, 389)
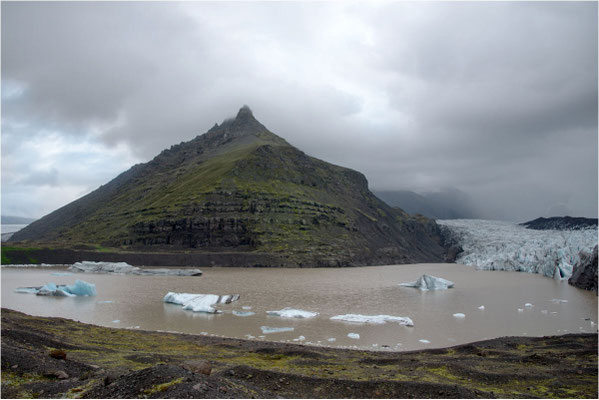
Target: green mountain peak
(241, 188)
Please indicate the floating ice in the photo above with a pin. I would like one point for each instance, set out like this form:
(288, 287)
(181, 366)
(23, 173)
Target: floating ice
(373, 319)
(459, 315)
(353, 335)
(270, 329)
(116, 321)
(199, 302)
(246, 307)
(105, 302)
(243, 313)
(481, 307)
(544, 312)
(332, 339)
(429, 282)
(102, 267)
(299, 339)
(558, 301)
(520, 310)
(61, 273)
(498, 245)
(79, 288)
(288, 312)
(528, 305)
(424, 341)
(42, 265)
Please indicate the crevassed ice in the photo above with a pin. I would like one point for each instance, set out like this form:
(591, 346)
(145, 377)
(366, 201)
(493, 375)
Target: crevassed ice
(373, 319)
(289, 312)
(199, 302)
(500, 245)
(79, 288)
(102, 267)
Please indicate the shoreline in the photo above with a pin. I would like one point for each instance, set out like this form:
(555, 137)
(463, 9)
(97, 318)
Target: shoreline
(104, 362)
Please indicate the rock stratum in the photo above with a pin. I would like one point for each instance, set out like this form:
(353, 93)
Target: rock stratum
(241, 188)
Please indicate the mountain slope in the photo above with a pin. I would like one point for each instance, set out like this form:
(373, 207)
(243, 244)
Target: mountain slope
(445, 204)
(240, 187)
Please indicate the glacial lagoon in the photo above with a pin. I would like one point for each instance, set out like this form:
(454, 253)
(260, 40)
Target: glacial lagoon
(481, 305)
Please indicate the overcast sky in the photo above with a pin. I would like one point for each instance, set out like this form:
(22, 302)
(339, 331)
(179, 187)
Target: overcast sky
(498, 100)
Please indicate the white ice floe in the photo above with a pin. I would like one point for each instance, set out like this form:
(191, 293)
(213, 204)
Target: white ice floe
(429, 282)
(61, 273)
(79, 288)
(243, 313)
(499, 245)
(528, 305)
(558, 301)
(199, 302)
(520, 310)
(424, 341)
(270, 329)
(105, 302)
(42, 265)
(123, 268)
(481, 307)
(116, 321)
(544, 312)
(459, 315)
(373, 319)
(332, 339)
(353, 335)
(246, 307)
(250, 336)
(299, 339)
(289, 312)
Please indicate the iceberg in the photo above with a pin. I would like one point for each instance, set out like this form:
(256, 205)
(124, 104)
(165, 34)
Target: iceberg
(243, 313)
(499, 245)
(102, 267)
(289, 312)
(373, 319)
(199, 302)
(429, 282)
(353, 335)
(270, 329)
(424, 341)
(459, 315)
(481, 307)
(79, 288)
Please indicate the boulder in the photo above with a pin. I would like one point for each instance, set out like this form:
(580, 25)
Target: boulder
(584, 274)
(198, 366)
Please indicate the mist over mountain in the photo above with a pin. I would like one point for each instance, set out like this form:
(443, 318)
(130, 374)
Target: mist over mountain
(240, 187)
(444, 204)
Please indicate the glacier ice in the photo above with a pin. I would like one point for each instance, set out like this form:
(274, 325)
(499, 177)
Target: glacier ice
(270, 329)
(102, 267)
(199, 302)
(243, 313)
(429, 282)
(289, 312)
(353, 335)
(373, 319)
(79, 288)
(459, 315)
(500, 245)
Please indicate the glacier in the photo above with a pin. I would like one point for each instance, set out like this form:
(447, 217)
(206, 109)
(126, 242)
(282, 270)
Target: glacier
(373, 319)
(289, 312)
(429, 282)
(102, 267)
(199, 302)
(79, 288)
(500, 245)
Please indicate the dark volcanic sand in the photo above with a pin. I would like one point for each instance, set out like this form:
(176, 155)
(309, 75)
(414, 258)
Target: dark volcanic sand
(117, 363)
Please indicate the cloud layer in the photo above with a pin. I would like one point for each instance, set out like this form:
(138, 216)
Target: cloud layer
(498, 100)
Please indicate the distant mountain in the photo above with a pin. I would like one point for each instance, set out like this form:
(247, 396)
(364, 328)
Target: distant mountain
(561, 223)
(241, 188)
(8, 219)
(446, 204)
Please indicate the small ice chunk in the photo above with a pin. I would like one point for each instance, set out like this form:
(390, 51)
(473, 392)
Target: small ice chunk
(299, 339)
(332, 339)
(116, 321)
(373, 319)
(520, 310)
(32, 289)
(429, 282)
(243, 313)
(105, 302)
(544, 312)
(270, 329)
(558, 301)
(61, 273)
(459, 315)
(289, 312)
(353, 335)
(246, 307)
(199, 302)
(250, 337)
(261, 337)
(424, 341)
(481, 307)
(528, 305)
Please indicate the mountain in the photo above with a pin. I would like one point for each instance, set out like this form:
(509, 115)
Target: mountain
(561, 223)
(241, 188)
(444, 204)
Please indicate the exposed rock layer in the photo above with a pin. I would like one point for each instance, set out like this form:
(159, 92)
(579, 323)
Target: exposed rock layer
(584, 274)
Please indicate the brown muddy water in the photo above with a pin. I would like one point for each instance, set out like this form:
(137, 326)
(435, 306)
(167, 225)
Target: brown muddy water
(136, 302)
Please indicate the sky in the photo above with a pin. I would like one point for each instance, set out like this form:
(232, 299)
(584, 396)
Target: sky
(496, 99)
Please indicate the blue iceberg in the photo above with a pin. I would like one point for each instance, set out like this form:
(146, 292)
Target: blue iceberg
(79, 288)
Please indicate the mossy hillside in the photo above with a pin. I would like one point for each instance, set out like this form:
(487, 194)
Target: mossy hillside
(240, 187)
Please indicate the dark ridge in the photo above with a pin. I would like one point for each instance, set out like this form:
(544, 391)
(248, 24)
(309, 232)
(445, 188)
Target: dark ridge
(561, 223)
